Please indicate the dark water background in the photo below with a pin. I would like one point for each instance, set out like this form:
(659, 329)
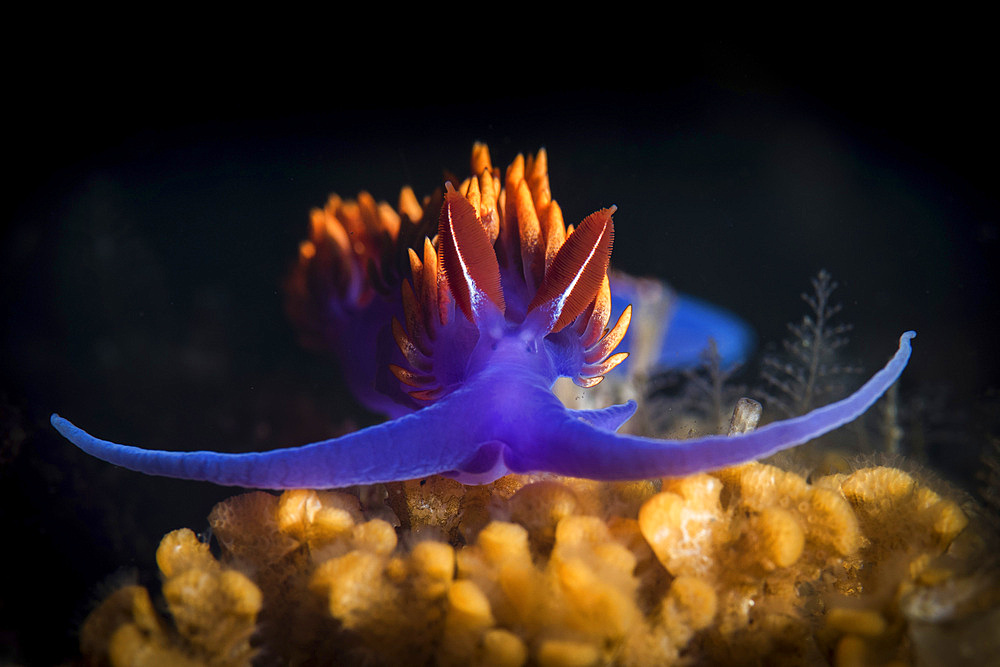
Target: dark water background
(152, 214)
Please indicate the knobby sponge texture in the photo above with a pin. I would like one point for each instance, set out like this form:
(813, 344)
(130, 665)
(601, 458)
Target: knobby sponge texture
(747, 563)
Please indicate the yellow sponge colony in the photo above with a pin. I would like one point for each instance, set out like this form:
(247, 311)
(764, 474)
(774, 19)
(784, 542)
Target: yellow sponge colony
(746, 565)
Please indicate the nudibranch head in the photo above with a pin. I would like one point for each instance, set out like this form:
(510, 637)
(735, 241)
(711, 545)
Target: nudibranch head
(504, 267)
(500, 264)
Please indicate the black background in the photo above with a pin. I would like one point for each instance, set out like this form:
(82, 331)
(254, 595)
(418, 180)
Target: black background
(157, 192)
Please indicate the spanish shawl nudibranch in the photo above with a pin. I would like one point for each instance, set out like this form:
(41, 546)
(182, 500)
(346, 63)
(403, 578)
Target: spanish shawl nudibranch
(463, 355)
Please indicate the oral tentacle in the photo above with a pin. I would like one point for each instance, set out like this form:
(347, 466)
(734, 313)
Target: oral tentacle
(576, 448)
(435, 442)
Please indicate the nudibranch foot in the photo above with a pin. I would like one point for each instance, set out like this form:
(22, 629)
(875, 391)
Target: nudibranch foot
(533, 435)
(610, 418)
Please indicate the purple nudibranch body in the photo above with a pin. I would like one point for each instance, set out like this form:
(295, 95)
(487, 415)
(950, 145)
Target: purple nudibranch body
(463, 352)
